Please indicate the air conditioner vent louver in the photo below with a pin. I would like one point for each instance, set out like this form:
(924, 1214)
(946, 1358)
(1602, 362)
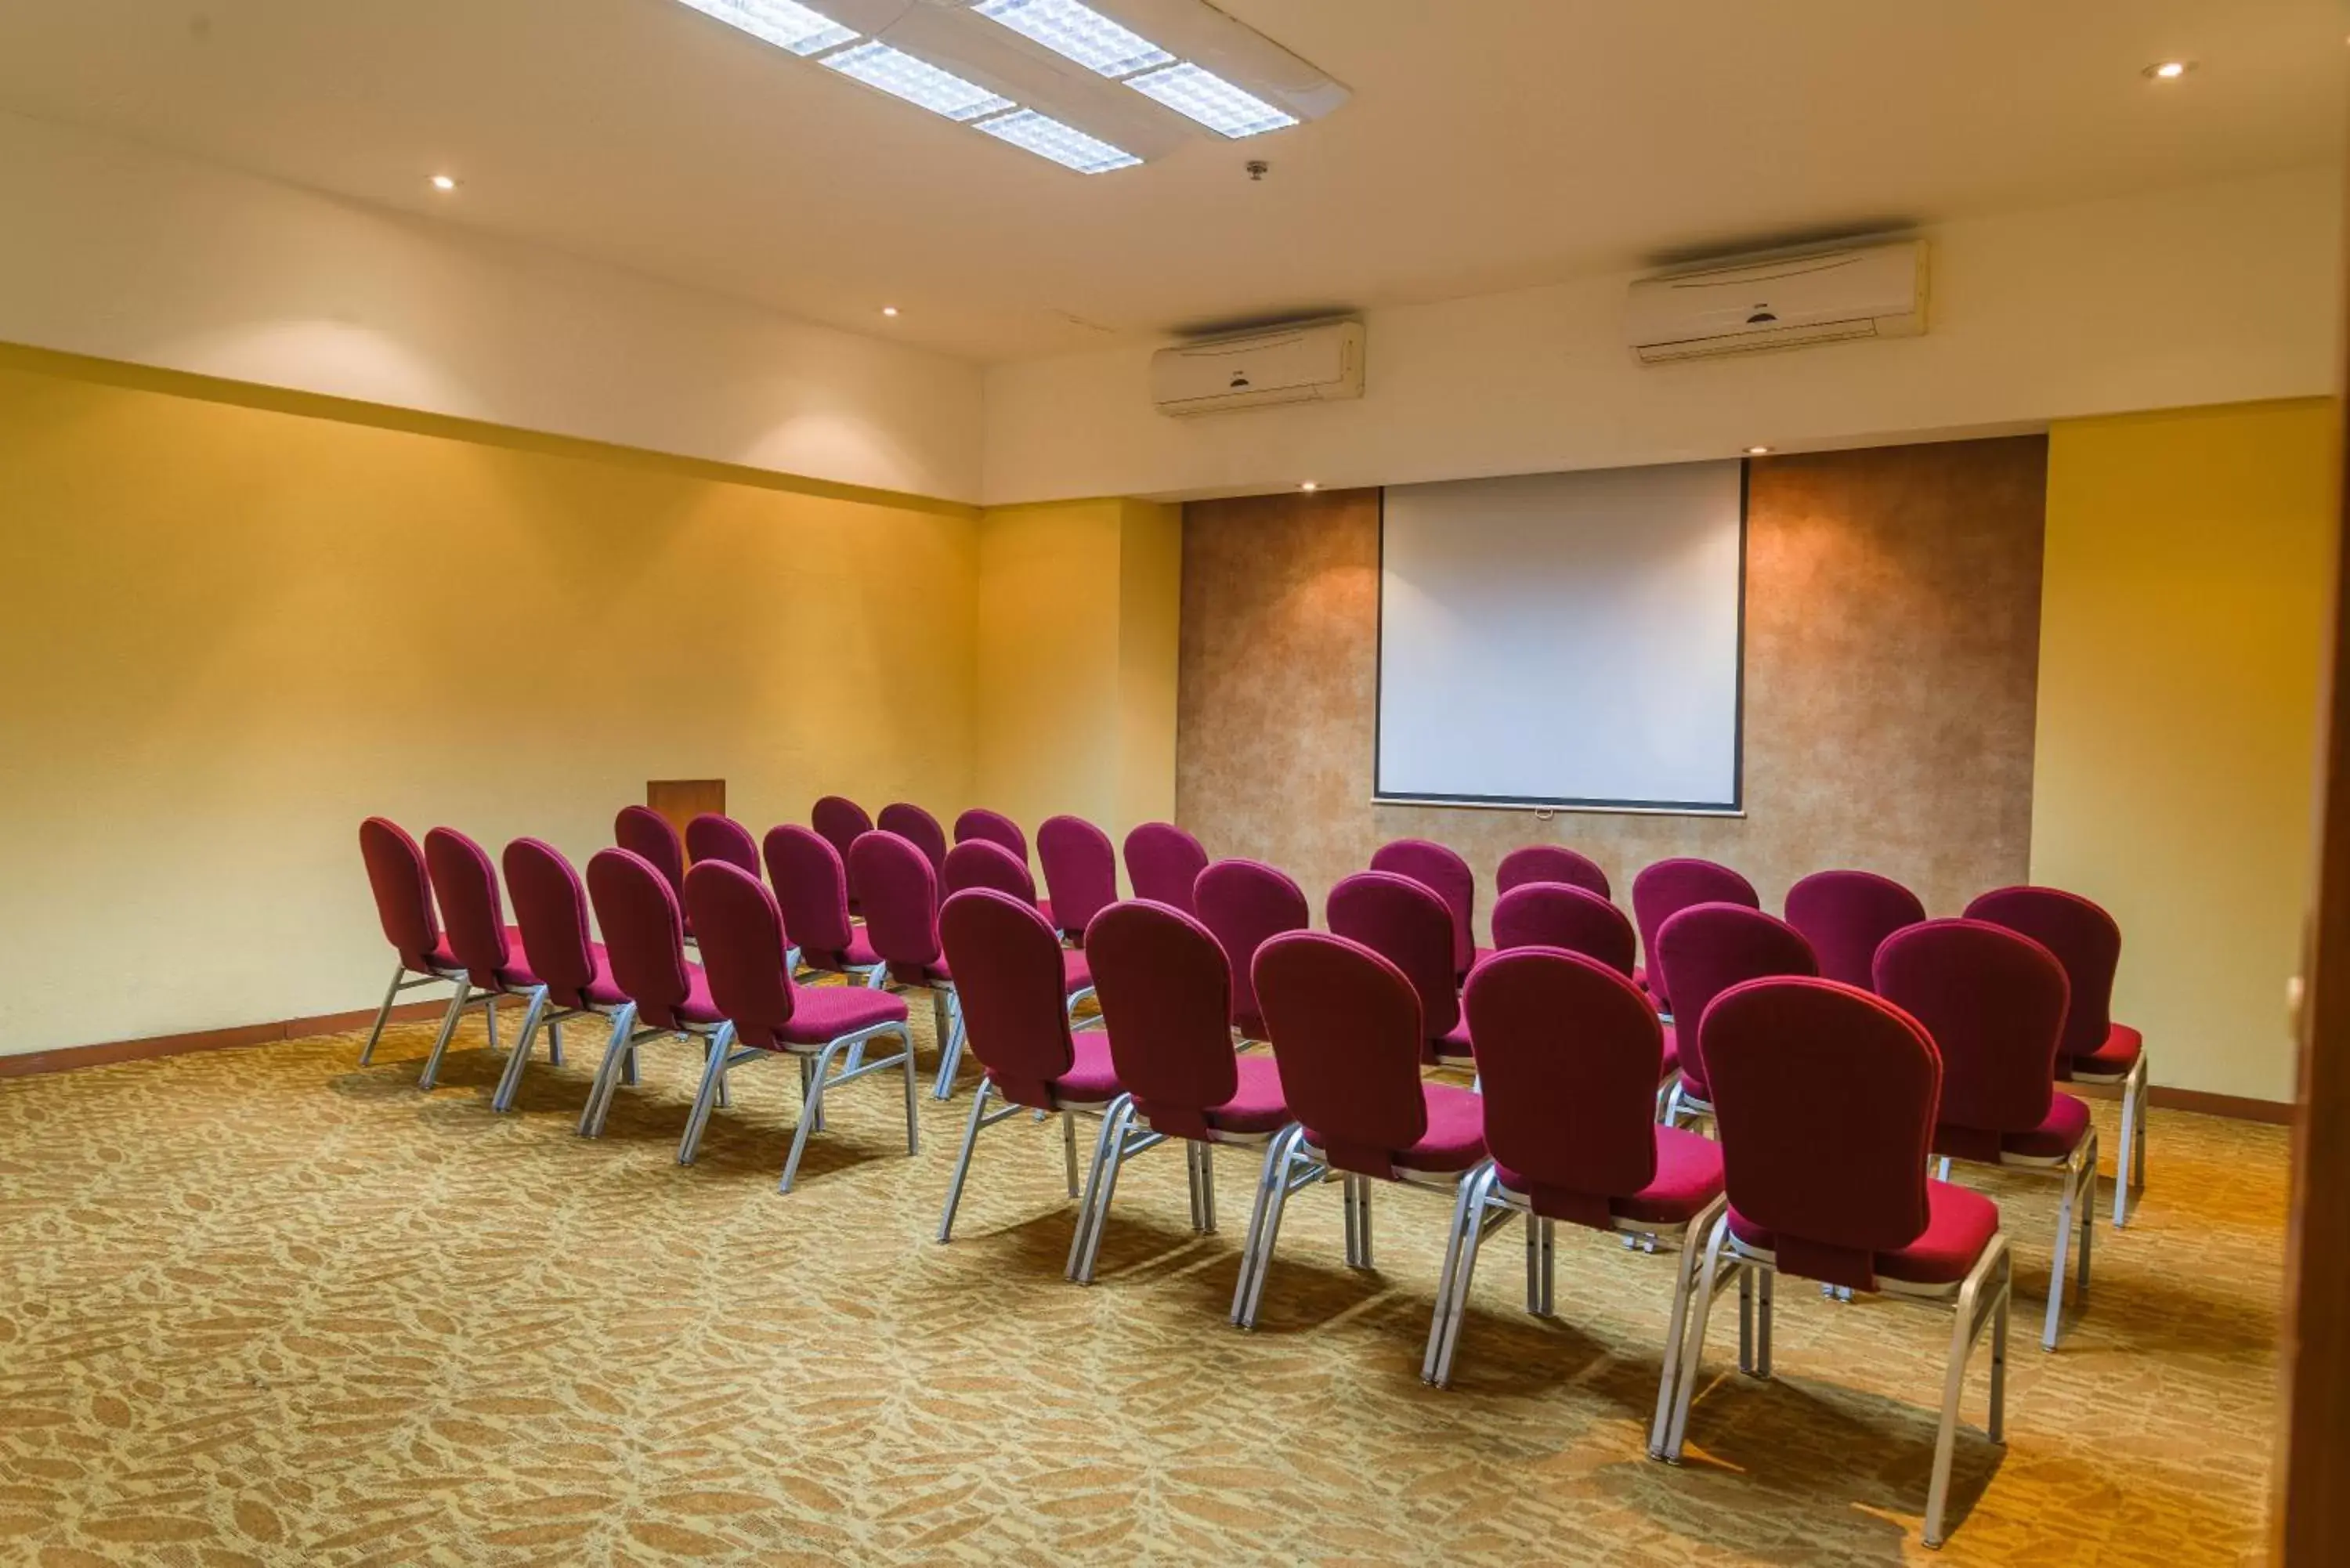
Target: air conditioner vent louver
(1315, 362)
(1787, 302)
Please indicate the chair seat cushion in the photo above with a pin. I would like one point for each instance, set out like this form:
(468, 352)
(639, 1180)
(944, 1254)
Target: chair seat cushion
(1960, 1224)
(2115, 1058)
(1453, 1045)
(1672, 1065)
(822, 1013)
(1077, 974)
(1476, 957)
(858, 953)
(1689, 1177)
(600, 991)
(2058, 1134)
(1454, 1141)
(1258, 1106)
(1092, 1077)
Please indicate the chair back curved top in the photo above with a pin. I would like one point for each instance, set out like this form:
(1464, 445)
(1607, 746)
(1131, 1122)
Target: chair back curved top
(647, 833)
(2084, 939)
(901, 893)
(1561, 914)
(1664, 889)
(403, 892)
(839, 822)
(1993, 1003)
(1348, 1039)
(1707, 949)
(644, 934)
(812, 890)
(1242, 902)
(1825, 1095)
(917, 827)
(550, 905)
(1080, 871)
(1403, 920)
(983, 863)
(1166, 998)
(742, 940)
(466, 884)
(984, 825)
(1162, 862)
(714, 837)
(1008, 972)
(1845, 915)
(1551, 863)
(1569, 1050)
(1448, 876)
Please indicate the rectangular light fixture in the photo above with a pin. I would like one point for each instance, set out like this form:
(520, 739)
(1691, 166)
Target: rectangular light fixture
(1063, 144)
(1078, 33)
(917, 81)
(791, 27)
(1192, 91)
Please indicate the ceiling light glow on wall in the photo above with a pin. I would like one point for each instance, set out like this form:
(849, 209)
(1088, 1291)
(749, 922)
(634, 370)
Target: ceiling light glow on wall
(786, 25)
(1063, 144)
(444, 182)
(1078, 33)
(917, 81)
(1203, 95)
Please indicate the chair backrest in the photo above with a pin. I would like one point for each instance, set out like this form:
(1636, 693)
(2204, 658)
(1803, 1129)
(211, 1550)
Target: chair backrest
(1008, 976)
(1551, 863)
(901, 894)
(741, 933)
(2084, 939)
(1445, 875)
(812, 890)
(1664, 889)
(1846, 914)
(1403, 920)
(466, 884)
(1561, 914)
(839, 822)
(1080, 871)
(917, 827)
(1707, 949)
(983, 863)
(1824, 1096)
(1569, 1050)
(550, 905)
(647, 833)
(1347, 1036)
(1166, 998)
(644, 934)
(1993, 1001)
(981, 825)
(712, 836)
(1243, 902)
(403, 890)
(1162, 862)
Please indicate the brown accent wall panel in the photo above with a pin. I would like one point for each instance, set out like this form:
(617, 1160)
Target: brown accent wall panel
(682, 800)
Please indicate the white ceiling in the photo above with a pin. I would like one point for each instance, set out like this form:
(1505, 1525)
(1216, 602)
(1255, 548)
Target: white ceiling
(1490, 143)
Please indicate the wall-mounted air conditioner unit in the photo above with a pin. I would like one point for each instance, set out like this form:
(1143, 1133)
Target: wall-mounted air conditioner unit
(1318, 360)
(1787, 302)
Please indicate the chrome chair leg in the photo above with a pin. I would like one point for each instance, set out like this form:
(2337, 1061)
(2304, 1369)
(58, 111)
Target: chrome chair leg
(383, 1014)
(714, 1075)
(457, 1005)
(502, 1099)
(963, 1160)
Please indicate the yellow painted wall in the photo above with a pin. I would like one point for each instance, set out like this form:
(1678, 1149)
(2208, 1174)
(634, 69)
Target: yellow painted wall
(232, 624)
(2182, 625)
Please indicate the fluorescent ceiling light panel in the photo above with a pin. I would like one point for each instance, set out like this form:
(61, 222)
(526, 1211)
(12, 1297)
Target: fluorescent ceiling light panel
(1078, 33)
(917, 81)
(788, 26)
(1063, 144)
(1211, 100)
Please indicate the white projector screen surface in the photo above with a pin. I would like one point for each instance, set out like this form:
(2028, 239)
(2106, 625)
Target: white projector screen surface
(1563, 639)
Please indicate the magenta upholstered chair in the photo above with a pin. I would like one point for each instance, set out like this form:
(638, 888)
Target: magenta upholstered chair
(917, 827)
(1845, 915)
(1663, 890)
(466, 884)
(766, 1015)
(648, 835)
(1570, 1050)
(712, 835)
(1551, 863)
(1825, 1097)
(1243, 902)
(1403, 920)
(1011, 991)
(983, 863)
(575, 978)
(1562, 915)
(1162, 862)
(1348, 1035)
(991, 827)
(1449, 877)
(404, 903)
(1080, 873)
(839, 822)
(644, 948)
(1702, 952)
(812, 890)
(2095, 1049)
(1993, 1003)
(1166, 998)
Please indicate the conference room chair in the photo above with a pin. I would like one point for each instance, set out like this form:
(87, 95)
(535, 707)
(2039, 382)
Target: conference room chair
(1166, 1001)
(917, 827)
(1825, 1098)
(1448, 876)
(1080, 874)
(1403, 919)
(403, 906)
(1012, 990)
(466, 884)
(1663, 890)
(1570, 1050)
(1243, 902)
(811, 887)
(1993, 1003)
(647, 833)
(767, 1017)
(1845, 915)
(1162, 862)
(575, 977)
(643, 924)
(1550, 863)
(1702, 952)
(1562, 915)
(2096, 1050)
(714, 837)
(983, 863)
(984, 825)
(1347, 1038)
(839, 822)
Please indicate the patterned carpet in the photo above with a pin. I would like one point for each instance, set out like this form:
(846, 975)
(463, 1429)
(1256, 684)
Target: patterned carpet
(265, 1307)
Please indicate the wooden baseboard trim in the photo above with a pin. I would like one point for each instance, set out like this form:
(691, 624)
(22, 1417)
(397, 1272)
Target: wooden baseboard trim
(71, 1058)
(2236, 1107)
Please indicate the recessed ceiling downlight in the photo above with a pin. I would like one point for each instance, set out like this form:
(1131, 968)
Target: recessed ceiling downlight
(444, 182)
(786, 25)
(2170, 70)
